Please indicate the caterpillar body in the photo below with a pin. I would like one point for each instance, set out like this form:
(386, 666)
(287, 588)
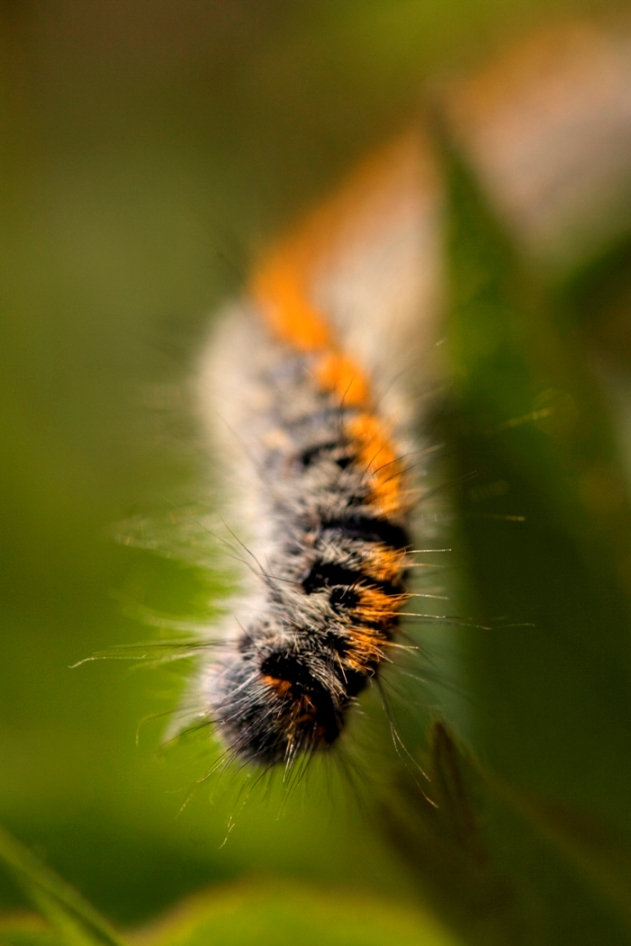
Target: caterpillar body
(301, 387)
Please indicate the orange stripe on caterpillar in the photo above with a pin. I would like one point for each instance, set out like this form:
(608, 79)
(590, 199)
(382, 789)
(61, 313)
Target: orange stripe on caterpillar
(365, 650)
(377, 606)
(283, 281)
(340, 374)
(385, 564)
(377, 455)
(281, 294)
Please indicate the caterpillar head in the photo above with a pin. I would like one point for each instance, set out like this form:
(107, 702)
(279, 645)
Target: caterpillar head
(272, 701)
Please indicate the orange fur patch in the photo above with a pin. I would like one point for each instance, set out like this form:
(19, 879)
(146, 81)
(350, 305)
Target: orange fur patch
(282, 687)
(377, 455)
(339, 373)
(285, 305)
(386, 564)
(376, 606)
(366, 649)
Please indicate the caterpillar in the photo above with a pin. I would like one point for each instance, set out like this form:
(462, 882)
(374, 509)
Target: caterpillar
(304, 388)
(308, 390)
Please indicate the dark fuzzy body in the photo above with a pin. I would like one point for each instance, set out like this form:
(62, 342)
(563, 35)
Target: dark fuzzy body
(331, 571)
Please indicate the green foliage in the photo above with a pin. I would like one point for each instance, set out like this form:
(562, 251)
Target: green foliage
(550, 678)
(286, 914)
(76, 922)
(281, 914)
(142, 162)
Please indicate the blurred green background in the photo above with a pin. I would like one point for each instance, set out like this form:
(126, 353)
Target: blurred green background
(149, 149)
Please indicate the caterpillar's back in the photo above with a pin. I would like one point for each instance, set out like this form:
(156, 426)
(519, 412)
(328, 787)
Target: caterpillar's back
(301, 386)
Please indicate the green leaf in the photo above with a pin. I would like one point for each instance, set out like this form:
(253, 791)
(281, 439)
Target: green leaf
(504, 867)
(27, 930)
(544, 535)
(600, 853)
(434, 824)
(286, 914)
(77, 922)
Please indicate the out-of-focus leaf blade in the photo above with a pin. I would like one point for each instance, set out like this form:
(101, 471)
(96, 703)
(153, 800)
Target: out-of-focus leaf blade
(544, 530)
(77, 922)
(602, 855)
(504, 868)
(287, 914)
(27, 930)
(435, 826)
(552, 695)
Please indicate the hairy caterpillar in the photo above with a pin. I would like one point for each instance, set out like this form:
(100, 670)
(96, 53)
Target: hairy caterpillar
(327, 350)
(306, 389)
